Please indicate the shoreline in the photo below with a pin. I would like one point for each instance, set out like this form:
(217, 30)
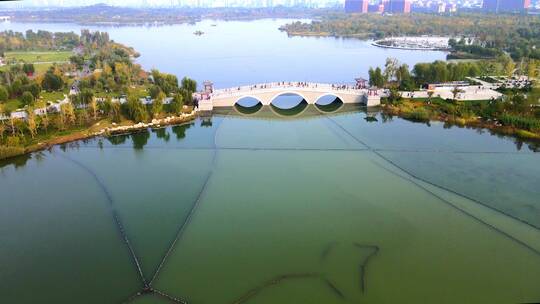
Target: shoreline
(494, 127)
(107, 131)
(377, 44)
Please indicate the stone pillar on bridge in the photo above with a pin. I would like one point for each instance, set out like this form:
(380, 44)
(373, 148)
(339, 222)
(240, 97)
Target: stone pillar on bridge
(372, 98)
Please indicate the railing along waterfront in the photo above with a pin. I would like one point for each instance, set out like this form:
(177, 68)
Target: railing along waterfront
(283, 86)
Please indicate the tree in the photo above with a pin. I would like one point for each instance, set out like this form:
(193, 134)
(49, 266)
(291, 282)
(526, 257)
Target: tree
(154, 91)
(77, 60)
(94, 108)
(177, 104)
(390, 69)
(508, 64)
(33, 88)
(31, 122)
(532, 68)
(27, 98)
(2, 130)
(187, 96)
(376, 78)
(455, 92)
(189, 84)
(52, 82)
(28, 68)
(45, 122)
(404, 78)
(86, 96)
(134, 109)
(430, 95)
(67, 114)
(157, 105)
(4, 95)
(394, 96)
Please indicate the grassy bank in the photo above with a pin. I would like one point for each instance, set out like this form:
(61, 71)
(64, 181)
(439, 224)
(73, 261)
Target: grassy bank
(103, 127)
(33, 57)
(466, 113)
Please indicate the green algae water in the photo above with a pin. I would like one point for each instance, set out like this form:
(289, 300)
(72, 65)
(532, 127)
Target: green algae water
(325, 205)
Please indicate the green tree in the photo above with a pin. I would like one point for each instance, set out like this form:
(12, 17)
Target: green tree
(157, 105)
(187, 96)
(177, 104)
(135, 109)
(27, 98)
(189, 84)
(52, 82)
(4, 94)
(28, 68)
(390, 69)
(77, 60)
(430, 95)
(154, 91)
(375, 77)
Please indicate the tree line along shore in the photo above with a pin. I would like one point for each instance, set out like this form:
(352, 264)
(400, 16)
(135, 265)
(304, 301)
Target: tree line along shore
(474, 36)
(98, 90)
(516, 113)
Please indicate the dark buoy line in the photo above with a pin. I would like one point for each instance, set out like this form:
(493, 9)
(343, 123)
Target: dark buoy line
(274, 281)
(334, 289)
(192, 210)
(363, 266)
(452, 205)
(326, 251)
(169, 297)
(413, 178)
(115, 216)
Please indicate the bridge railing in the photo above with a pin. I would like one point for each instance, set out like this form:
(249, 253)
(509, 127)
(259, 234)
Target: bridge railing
(273, 86)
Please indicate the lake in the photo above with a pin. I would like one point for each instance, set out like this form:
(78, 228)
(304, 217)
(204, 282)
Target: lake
(312, 204)
(233, 53)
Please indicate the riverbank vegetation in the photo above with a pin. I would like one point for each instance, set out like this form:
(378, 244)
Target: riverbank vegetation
(517, 113)
(476, 35)
(99, 87)
(401, 76)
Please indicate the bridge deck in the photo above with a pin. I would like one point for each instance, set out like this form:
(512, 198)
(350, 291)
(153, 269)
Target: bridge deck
(309, 91)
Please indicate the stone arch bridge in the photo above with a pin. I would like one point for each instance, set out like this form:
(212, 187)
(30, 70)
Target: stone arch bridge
(266, 93)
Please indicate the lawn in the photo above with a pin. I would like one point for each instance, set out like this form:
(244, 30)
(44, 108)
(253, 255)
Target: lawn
(11, 105)
(52, 96)
(32, 57)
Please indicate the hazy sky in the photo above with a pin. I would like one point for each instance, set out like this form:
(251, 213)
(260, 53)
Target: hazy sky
(138, 3)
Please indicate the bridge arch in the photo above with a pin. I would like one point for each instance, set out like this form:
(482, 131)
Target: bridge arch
(239, 98)
(287, 92)
(319, 100)
(336, 102)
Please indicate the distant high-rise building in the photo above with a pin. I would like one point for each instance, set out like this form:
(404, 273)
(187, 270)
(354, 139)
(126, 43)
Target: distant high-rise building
(514, 6)
(397, 6)
(441, 7)
(356, 6)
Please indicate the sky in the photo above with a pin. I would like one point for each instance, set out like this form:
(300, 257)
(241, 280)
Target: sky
(158, 3)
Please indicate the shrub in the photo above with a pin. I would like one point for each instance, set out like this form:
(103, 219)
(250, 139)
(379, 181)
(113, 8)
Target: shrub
(520, 122)
(7, 152)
